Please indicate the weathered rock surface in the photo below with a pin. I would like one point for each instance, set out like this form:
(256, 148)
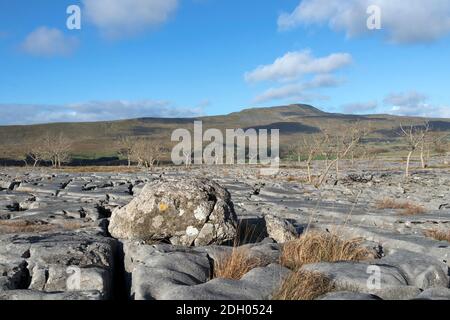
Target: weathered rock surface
(57, 262)
(348, 295)
(281, 230)
(186, 212)
(435, 294)
(54, 225)
(355, 276)
(24, 295)
(258, 284)
(165, 272)
(419, 270)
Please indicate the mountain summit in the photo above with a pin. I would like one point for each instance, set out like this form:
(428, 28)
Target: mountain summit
(94, 139)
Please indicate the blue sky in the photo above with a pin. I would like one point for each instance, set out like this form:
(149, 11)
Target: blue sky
(136, 58)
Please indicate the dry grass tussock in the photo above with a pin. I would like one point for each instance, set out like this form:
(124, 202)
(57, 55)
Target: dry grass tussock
(439, 235)
(303, 285)
(240, 260)
(407, 208)
(315, 247)
(236, 264)
(302, 179)
(30, 226)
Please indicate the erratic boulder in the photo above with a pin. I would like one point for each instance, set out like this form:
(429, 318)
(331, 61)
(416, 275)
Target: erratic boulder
(187, 212)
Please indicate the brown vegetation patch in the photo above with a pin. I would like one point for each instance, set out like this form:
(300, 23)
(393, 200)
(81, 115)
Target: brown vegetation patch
(439, 235)
(236, 264)
(315, 247)
(301, 179)
(407, 208)
(37, 226)
(303, 285)
(24, 226)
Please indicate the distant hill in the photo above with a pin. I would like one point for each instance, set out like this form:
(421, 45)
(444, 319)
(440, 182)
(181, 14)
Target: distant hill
(97, 139)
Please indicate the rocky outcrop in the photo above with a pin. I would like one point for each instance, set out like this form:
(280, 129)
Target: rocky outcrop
(34, 266)
(54, 243)
(392, 284)
(435, 294)
(166, 272)
(185, 212)
(280, 230)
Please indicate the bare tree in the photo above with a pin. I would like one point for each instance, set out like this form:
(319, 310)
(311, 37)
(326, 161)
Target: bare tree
(61, 149)
(309, 148)
(126, 146)
(340, 148)
(47, 149)
(422, 146)
(36, 153)
(296, 150)
(187, 158)
(147, 153)
(438, 142)
(155, 151)
(54, 148)
(415, 137)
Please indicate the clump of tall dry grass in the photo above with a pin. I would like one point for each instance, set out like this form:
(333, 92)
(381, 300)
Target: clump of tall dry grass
(236, 264)
(407, 208)
(72, 224)
(37, 226)
(239, 261)
(413, 209)
(303, 285)
(24, 226)
(438, 235)
(315, 247)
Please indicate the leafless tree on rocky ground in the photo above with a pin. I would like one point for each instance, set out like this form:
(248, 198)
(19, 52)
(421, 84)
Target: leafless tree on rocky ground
(60, 149)
(310, 147)
(340, 146)
(36, 153)
(415, 138)
(54, 148)
(147, 153)
(126, 146)
(187, 158)
(437, 143)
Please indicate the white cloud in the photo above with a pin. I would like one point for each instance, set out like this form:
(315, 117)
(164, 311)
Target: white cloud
(299, 91)
(93, 111)
(292, 92)
(323, 81)
(410, 21)
(296, 64)
(49, 42)
(360, 107)
(293, 68)
(406, 99)
(414, 104)
(204, 103)
(425, 110)
(118, 18)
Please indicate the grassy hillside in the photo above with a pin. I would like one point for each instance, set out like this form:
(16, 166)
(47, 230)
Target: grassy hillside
(97, 139)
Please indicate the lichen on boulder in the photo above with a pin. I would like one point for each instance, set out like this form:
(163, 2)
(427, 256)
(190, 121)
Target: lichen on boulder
(186, 212)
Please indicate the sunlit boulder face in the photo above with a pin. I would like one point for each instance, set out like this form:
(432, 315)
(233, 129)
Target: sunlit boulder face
(185, 212)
